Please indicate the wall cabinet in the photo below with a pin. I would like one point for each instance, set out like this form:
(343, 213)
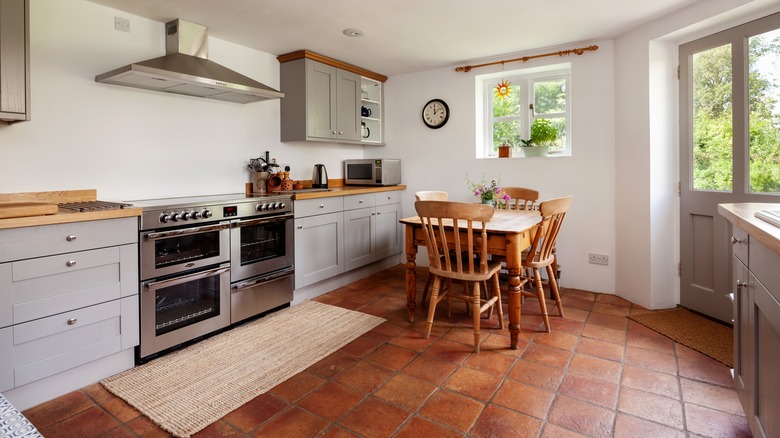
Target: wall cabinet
(325, 100)
(757, 332)
(68, 296)
(371, 227)
(14, 60)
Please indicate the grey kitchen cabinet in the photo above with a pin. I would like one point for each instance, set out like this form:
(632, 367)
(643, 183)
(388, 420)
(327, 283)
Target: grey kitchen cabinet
(756, 272)
(319, 240)
(371, 228)
(68, 297)
(324, 98)
(14, 60)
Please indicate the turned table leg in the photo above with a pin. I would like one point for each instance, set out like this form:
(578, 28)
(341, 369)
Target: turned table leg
(411, 273)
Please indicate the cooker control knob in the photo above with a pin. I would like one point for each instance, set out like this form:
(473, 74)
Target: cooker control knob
(271, 206)
(265, 207)
(195, 214)
(164, 218)
(259, 207)
(281, 205)
(185, 215)
(206, 214)
(175, 217)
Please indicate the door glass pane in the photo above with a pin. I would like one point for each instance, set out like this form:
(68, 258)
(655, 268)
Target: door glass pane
(712, 122)
(764, 100)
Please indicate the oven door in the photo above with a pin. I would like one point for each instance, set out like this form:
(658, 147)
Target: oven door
(260, 246)
(179, 309)
(184, 249)
(260, 294)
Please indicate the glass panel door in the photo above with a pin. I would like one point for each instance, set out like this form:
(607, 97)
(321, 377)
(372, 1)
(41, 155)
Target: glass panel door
(764, 102)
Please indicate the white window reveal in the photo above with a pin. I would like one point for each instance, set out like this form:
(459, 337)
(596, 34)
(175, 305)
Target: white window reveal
(508, 102)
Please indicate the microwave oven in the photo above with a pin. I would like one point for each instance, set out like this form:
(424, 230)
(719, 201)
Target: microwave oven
(372, 172)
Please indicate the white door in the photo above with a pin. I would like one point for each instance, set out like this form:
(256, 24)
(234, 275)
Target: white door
(729, 150)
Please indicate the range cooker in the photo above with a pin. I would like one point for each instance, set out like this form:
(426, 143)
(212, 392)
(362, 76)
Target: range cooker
(209, 262)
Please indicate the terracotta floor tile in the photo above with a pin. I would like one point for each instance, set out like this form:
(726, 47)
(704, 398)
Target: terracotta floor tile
(430, 369)
(452, 410)
(496, 422)
(360, 346)
(524, 398)
(89, 423)
(611, 309)
(581, 294)
(297, 386)
(537, 374)
(651, 407)
(705, 370)
(293, 422)
(384, 332)
(556, 339)
(567, 325)
(256, 412)
(337, 432)
(656, 382)
(651, 360)
(581, 417)
(555, 431)
(121, 431)
(628, 426)
(716, 424)
(375, 418)
(570, 302)
(419, 427)
(144, 427)
(653, 341)
(98, 393)
(218, 429)
(120, 409)
(348, 304)
(58, 409)
(574, 315)
(606, 320)
(450, 351)
(711, 396)
(491, 362)
(612, 299)
(364, 376)
(499, 343)
(602, 349)
(332, 365)
(413, 340)
(473, 383)
(604, 334)
(391, 356)
(595, 367)
(596, 391)
(331, 400)
(327, 299)
(550, 356)
(405, 391)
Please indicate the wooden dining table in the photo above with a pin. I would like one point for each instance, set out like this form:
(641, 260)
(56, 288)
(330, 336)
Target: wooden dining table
(509, 233)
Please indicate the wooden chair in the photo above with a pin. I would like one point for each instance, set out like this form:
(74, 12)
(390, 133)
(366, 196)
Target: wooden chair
(446, 263)
(541, 253)
(429, 195)
(524, 199)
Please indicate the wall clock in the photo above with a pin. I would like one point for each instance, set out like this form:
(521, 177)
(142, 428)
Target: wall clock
(435, 113)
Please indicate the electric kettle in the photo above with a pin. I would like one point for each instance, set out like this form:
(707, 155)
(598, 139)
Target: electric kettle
(319, 177)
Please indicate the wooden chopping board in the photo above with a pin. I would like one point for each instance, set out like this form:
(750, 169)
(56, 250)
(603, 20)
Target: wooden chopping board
(25, 209)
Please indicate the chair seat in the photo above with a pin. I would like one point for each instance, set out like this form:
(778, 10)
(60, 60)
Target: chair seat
(493, 268)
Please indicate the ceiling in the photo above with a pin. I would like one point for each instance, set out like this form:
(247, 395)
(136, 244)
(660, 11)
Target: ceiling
(403, 36)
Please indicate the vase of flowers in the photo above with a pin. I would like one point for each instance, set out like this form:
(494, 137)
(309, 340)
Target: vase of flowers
(488, 193)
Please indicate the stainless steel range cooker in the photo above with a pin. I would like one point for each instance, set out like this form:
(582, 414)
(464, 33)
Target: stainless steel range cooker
(209, 262)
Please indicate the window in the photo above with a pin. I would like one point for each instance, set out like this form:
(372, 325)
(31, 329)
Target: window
(536, 93)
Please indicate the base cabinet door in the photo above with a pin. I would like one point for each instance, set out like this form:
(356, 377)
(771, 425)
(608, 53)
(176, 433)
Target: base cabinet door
(388, 230)
(766, 360)
(319, 248)
(743, 347)
(359, 237)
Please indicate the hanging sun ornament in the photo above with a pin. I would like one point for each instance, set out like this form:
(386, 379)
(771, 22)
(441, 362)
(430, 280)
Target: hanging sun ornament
(503, 89)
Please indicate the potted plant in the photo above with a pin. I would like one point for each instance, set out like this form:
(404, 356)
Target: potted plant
(543, 134)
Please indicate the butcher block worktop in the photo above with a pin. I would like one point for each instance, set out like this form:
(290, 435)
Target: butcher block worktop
(60, 217)
(347, 190)
(743, 216)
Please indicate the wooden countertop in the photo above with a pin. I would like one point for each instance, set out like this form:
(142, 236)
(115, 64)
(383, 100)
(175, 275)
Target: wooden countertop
(743, 216)
(60, 217)
(348, 190)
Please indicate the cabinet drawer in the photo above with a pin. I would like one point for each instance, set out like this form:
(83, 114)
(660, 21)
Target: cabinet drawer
(740, 243)
(765, 265)
(384, 198)
(311, 207)
(353, 202)
(29, 242)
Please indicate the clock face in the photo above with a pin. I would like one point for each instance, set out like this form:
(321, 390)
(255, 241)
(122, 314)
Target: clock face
(435, 113)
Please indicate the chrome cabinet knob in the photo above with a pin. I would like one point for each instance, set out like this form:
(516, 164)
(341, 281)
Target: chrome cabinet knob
(735, 241)
(70, 263)
(741, 284)
(72, 321)
(70, 238)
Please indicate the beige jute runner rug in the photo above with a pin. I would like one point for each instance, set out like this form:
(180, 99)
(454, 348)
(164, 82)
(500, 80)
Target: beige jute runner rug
(187, 390)
(694, 331)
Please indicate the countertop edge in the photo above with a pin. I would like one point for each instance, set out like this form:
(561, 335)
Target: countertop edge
(64, 218)
(347, 190)
(743, 216)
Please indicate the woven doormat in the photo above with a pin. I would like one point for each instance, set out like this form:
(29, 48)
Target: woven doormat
(694, 331)
(189, 389)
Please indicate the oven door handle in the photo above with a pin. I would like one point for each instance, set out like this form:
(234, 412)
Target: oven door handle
(154, 285)
(264, 220)
(187, 231)
(264, 279)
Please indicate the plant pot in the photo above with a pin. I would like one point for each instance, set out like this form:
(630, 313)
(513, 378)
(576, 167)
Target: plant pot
(489, 202)
(535, 151)
(504, 151)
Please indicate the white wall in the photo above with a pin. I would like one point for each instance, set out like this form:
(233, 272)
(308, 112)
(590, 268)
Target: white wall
(129, 143)
(439, 159)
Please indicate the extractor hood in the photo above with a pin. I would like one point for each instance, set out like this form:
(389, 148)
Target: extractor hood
(185, 69)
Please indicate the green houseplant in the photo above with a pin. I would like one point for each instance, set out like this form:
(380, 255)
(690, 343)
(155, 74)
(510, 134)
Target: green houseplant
(543, 134)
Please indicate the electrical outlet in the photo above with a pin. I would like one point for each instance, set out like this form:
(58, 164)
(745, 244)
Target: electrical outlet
(598, 259)
(122, 24)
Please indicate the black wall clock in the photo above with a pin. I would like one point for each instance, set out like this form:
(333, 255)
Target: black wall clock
(435, 113)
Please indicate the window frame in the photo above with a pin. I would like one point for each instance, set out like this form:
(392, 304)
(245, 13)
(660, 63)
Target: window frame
(522, 81)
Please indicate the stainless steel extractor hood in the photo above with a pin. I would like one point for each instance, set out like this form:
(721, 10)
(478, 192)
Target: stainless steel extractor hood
(185, 69)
